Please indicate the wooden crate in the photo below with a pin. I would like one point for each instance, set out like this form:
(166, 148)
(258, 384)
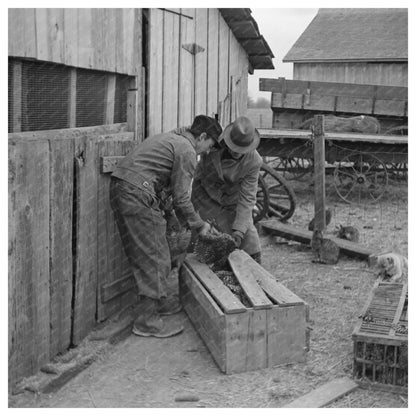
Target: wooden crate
(271, 332)
(380, 339)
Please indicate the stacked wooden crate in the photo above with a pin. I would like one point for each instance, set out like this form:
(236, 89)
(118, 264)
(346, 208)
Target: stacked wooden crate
(380, 339)
(270, 332)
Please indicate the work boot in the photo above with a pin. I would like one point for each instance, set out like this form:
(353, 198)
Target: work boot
(150, 324)
(169, 305)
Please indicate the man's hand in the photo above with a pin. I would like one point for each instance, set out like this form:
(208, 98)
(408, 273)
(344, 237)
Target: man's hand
(204, 230)
(238, 238)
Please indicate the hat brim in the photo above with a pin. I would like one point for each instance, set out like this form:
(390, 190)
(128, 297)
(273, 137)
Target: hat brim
(240, 149)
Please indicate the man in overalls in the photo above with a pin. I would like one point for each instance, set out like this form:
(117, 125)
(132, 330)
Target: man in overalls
(225, 185)
(161, 165)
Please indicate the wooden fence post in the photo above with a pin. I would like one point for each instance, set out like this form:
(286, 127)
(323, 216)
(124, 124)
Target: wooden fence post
(319, 179)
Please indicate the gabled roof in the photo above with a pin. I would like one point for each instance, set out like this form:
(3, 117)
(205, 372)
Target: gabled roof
(339, 35)
(246, 31)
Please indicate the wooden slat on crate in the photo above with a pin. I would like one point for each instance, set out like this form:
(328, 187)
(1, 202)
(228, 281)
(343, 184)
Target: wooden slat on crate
(275, 290)
(220, 292)
(286, 334)
(205, 315)
(325, 394)
(290, 232)
(251, 288)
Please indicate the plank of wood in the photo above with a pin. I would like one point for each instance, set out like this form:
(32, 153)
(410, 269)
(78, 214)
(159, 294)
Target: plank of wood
(17, 96)
(109, 163)
(112, 261)
(319, 173)
(170, 70)
(290, 232)
(349, 137)
(61, 267)
(71, 37)
(55, 30)
(325, 394)
(85, 42)
(332, 88)
(275, 290)
(30, 283)
(155, 70)
(238, 262)
(117, 287)
(110, 99)
(85, 272)
(205, 315)
(286, 331)
(201, 70)
(186, 69)
(212, 64)
(225, 298)
(223, 70)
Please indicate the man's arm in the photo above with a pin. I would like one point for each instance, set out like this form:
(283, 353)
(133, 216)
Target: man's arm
(183, 170)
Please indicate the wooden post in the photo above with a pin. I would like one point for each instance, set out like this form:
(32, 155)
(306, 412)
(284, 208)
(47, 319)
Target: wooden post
(319, 179)
(132, 106)
(72, 119)
(17, 97)
(110, 99)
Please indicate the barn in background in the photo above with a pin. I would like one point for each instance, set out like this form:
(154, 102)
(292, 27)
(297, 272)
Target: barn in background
(347, 62)
(85, 84)
(358, 46)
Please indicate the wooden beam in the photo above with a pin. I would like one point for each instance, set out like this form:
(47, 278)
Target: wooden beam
(333, 136)
(132, 98)
(325, 394)
(72, 98)
(290, 232)
(110, 99)
(17, 96)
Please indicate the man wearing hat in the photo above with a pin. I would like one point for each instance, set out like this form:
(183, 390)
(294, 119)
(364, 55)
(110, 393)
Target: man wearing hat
(225, 185)
(161, 165)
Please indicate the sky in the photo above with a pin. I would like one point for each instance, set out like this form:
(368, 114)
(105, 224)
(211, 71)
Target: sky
(281, 28)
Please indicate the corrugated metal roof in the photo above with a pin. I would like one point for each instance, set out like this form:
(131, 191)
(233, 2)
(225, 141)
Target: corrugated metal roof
(337, 35)
(246, 31)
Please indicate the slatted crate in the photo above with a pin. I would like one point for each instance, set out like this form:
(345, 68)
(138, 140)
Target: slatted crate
(380, 339)
(270, 332)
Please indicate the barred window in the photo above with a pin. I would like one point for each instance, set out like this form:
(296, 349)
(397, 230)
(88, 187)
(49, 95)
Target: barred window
(40, 95)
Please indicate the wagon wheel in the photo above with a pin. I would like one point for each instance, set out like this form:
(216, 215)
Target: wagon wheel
(397, 171)
(262, 200)
(357, 178)
(281, 198)
(292, 168)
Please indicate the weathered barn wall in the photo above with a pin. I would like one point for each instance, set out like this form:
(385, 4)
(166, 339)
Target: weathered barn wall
(63, 243)
(196, 66)
(101, 39)
(375, 73)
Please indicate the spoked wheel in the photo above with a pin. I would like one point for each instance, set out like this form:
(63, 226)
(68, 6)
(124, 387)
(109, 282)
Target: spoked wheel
(262, 200)
(360, 179)
(292, 168)
(281, 198)
(397, 171)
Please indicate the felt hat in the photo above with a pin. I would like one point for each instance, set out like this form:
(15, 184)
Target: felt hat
(241, 136)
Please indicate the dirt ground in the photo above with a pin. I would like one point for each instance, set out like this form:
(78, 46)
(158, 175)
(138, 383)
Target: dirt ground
(153, 373)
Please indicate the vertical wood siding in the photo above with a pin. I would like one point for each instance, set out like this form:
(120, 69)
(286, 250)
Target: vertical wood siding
(101, 39)
(393, 74)
(57, 263)
(213, 80)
